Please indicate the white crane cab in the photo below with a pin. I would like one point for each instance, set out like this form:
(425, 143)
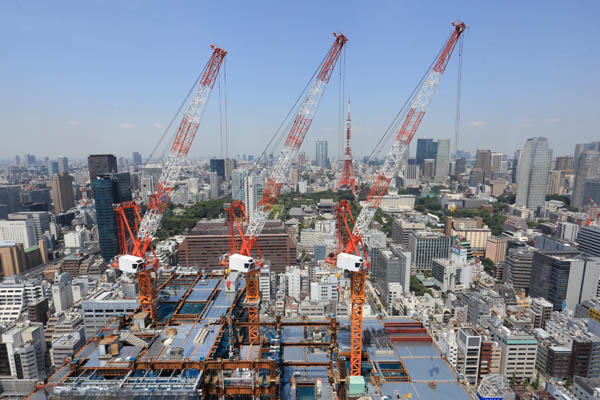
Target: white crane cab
(131, 264)
(240, 263)
(349, 262)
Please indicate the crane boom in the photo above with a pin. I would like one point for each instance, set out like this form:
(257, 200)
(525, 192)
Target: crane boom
(280, 171)
(411, 123)
(181, 145)
(135, 255)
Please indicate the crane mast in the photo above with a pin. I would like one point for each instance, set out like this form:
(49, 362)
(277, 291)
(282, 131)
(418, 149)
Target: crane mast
(279, 174)
(135, 259)
(350, 260)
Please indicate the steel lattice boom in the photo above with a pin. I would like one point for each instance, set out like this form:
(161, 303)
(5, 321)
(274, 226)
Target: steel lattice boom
(140, 247)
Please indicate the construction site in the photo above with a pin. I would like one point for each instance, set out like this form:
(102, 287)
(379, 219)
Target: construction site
(202, 335)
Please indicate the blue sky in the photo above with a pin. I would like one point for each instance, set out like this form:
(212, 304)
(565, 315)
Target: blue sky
(104, 76)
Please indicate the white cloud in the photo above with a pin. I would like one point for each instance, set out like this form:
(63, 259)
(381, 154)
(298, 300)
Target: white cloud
(158, 125)
(126, 125)
(551, 120)
(73, 123)
(477, 123)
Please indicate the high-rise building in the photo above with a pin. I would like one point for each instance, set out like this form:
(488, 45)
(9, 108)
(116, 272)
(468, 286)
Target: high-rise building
(52, 167)
(11, 196)
(12, 258)
(519, 265)
(99, 164)
(591, 190)
(253, 189)
(62, 192)
(442, 160)
(496, 162)
(564, 163)
(230, 165)
(564, 278)
(20, 231)
(63, 165)
(532, 177)
(301, 159)
(214, 180)
(567, 231)
(428, 168)
(137, 159)
(237, 183)
(41, 219)
(391, 266)
(321, 157)
(460, 166)
(589, 240)
(425, 246)
(150, 176)
(25, 347)
(109, 189)
(587, 168)
(581, 147)
(469, 348)
(426, 148)
(483, 161)
(218, 165)
(402, 228)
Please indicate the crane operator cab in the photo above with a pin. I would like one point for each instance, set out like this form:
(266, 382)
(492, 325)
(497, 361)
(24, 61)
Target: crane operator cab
(131, 264)
(350, 263)
(240, 263)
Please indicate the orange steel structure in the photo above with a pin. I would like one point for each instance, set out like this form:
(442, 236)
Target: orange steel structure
(136, 240)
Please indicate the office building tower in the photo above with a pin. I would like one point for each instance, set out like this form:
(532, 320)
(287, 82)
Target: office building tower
(426, 148)
(589, 240)
(564, 278)
(12, 258)
(402, 228)
(41, 220)
(496, 162)
(460, 166)
(150, 176)
(477, 177)
(391, 265)
(218, 165)
(582, 147)
(62, 192)
(237, 183)
(103, 306)
(52, 167)
(428, 168)
(321, 158)
(110, 189)
(99, 164)
(556, 181)
(253, 189)
(442, 160)
(496, 248)
(214, 180)
(425, 246)
(63, 165)
(136, 159)
(10, 195)
(19, 231)
(587, 168)
(532, 177)
(483, 161)
(411, 175)
(230, 165)
(519, 265)
(564, 163)
(36, 198)
(62, 294)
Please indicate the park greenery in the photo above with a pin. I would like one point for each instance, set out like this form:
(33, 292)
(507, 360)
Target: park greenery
(177, 221)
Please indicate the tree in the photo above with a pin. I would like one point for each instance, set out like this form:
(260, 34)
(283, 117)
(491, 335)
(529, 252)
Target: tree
(488, 265)
(536, 383)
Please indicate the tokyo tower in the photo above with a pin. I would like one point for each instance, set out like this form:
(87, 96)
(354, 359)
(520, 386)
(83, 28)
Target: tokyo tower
(347, 180)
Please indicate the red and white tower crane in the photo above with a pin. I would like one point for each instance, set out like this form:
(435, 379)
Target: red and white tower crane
(350, 260)
(277, 177)
(138, 255)
(347, 180)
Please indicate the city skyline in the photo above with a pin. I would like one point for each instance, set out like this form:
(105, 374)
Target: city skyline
(111, 86)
